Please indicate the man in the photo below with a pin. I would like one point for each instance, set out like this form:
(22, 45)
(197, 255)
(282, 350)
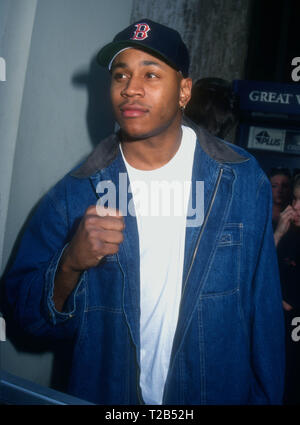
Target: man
(162, 306)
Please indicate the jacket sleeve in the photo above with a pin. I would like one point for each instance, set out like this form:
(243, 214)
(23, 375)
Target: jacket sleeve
(29, 283)
(267, 320)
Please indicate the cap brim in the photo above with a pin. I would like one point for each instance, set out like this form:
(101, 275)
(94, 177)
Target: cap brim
(107, 52)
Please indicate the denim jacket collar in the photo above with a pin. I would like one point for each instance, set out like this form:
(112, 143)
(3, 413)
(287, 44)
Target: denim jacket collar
(107, 150)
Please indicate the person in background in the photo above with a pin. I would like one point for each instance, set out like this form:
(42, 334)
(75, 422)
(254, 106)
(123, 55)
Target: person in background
(287, 240)
(280, 179)
(214, 106)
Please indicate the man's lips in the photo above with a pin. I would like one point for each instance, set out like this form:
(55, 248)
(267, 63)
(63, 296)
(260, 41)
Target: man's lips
(133, 111)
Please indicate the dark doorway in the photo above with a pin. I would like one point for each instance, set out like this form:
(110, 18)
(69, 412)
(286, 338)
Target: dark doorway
(273, 41)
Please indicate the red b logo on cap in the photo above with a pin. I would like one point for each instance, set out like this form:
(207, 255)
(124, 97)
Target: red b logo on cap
(141, 32)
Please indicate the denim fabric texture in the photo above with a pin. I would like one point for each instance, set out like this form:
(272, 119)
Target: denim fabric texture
(229, 342)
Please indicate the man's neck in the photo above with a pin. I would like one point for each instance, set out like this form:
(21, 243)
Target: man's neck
(152, 152)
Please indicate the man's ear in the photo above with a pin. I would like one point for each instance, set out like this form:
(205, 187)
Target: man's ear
(185, 92)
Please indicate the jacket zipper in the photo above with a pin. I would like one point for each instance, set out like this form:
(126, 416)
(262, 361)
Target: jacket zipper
(202, 229)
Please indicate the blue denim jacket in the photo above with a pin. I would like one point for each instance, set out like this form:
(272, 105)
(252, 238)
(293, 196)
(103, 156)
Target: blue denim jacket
(229, 342)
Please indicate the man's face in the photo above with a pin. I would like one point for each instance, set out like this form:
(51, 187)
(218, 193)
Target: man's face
(146, 94)
(281, 189)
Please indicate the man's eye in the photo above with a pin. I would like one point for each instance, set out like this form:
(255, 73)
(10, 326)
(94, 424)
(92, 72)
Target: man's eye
(119, 76)
(151, 75)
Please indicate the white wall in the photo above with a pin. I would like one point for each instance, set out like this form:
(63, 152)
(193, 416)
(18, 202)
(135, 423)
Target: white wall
(16, 23)
(53, 109)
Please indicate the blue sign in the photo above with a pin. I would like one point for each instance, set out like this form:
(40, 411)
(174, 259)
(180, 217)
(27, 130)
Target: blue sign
(268, 97)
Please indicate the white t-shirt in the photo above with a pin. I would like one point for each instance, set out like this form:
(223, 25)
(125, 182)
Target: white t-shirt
(160, 199)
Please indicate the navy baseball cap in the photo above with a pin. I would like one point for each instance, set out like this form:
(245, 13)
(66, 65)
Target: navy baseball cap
(152, 37)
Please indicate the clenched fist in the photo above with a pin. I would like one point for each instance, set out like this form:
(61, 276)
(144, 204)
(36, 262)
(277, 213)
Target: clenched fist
(99, 233)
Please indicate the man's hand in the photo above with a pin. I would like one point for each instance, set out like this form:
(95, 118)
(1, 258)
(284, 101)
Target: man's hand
(99, 233)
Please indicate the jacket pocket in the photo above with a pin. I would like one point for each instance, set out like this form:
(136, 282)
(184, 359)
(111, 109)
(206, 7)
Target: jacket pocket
(105, 286)
(224, 270)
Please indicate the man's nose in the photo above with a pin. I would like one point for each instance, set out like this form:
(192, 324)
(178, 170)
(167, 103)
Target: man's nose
(134, 87)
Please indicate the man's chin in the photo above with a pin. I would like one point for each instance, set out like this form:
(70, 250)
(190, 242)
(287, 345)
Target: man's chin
(134, 130)
(134, 134)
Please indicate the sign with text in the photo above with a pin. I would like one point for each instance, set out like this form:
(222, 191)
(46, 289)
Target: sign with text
(267, 97)
(274, 139)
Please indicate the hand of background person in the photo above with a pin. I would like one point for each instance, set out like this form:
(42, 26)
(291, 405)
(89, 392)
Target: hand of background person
(286, 306)
(285, 219)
